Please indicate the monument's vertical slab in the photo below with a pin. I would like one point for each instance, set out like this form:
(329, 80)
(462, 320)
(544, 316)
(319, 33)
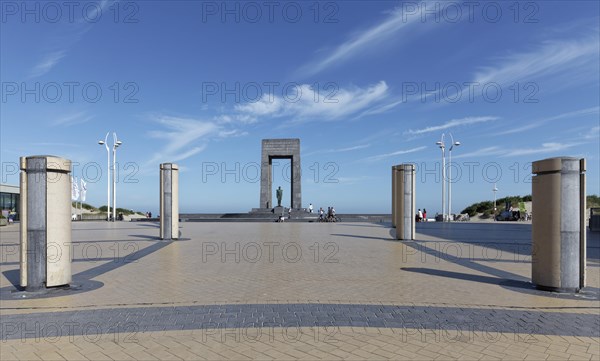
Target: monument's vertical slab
(280, 149)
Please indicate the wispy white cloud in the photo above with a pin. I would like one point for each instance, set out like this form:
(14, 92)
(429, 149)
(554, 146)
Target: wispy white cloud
(548, 58)
(392, 154)
(483, 152)
(593, 133)
(72, 119)
(183, 137)
(338, 150)
(397, 21)
(452, 123)
(380, 109)
(312, 106)
(74, 33)
(538, 123)
(353, 180)
(349, 149)
(54, 144)
(544, 148)
(235, 118)
(47, 63)
(563, 60)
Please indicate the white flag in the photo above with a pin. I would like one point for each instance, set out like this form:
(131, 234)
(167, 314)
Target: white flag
(83, 190)
(74, 190)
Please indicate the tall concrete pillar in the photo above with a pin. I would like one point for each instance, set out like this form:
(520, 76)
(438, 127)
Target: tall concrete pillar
(169, 201)
(45, 222)
(558, 231)
(393, 196)
(405, 201)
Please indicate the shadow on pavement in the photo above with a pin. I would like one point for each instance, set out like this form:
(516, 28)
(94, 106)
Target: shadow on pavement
(82, 281)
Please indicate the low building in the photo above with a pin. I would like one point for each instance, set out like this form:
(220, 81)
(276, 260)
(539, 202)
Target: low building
(9, 199)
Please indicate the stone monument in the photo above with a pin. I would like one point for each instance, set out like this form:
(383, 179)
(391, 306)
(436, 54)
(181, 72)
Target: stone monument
(280, 149)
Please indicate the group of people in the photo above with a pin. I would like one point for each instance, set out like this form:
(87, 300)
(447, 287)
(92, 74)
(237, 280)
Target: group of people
(329, 217)
(148, 214)
(421, 216)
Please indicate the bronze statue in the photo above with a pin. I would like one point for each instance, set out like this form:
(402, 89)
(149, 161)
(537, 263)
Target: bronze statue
(279, 194)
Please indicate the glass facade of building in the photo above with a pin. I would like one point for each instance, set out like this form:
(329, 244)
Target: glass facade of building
(9, 201)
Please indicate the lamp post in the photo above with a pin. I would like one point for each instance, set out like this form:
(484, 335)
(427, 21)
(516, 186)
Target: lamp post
(116, 144)
(105, 143)
(450, 174)
(495, 190)
(442, 146)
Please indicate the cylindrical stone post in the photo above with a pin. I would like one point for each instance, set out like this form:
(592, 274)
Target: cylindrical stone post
(393, 196)
(169, 201)
(405, 201)
(558, 237)
(45, 222)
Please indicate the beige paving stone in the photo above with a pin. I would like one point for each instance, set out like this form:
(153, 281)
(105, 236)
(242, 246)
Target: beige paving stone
(370, 270)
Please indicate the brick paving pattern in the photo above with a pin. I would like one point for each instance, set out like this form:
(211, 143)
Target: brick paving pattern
(298, 291)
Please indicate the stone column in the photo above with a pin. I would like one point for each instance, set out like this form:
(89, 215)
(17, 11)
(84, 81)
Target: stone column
(169, 201)
(266, 181)
(296, 188)
(45, 222)
(558, 234)
(405, 201)
(393, 196)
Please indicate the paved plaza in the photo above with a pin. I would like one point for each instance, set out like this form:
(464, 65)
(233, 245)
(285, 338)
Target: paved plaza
(298, 291)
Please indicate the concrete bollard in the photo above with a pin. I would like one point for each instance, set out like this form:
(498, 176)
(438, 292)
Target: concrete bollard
(169, 201)
(45, 222)
(405, 201)
(394, 196)
(558, 225)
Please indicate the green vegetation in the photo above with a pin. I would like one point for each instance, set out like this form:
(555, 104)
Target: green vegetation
(593, 201)
(86, 206)
(487, 207)
(2, 216)
(126, 212)
(103, 209)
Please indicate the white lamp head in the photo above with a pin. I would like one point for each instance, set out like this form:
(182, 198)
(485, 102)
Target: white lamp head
(101, 142)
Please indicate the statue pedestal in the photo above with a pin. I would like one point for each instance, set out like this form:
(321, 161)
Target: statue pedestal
(279, 210)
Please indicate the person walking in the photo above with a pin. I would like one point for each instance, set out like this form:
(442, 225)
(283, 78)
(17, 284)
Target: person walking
(424, 215)
(419, 215)
(310, 208)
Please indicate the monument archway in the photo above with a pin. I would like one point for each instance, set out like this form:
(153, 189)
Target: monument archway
(280, 149)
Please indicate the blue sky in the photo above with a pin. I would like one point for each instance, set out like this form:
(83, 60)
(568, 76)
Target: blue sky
(364, 85)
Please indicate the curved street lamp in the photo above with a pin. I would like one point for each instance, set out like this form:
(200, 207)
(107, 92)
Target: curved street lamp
(442, 146)
(450, 174)
(105, 143)
(116, 144)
